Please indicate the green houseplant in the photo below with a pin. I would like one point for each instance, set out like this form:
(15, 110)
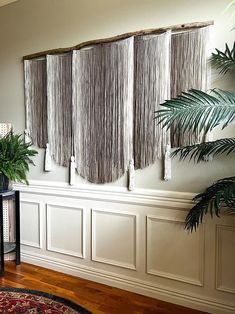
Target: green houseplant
(15, 157)
(197, 110)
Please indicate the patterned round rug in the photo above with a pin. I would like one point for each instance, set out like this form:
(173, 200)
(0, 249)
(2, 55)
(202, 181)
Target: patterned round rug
(17, 301)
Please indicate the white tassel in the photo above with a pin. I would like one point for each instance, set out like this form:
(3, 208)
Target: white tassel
(208, 138)
(72, 171)
(131, 175)
(167, 163)
(27, 138)
(48, 163)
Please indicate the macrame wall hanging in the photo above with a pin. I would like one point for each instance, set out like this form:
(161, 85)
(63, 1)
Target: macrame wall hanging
(102, 110)
(36, 101)
(92, 106)
(189, 69)
(151, 88)
(59, 107)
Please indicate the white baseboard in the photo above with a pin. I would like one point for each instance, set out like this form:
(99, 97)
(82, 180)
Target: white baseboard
(127, 283)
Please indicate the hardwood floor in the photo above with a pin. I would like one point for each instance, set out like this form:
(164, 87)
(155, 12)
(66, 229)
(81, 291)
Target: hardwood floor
(98, 298)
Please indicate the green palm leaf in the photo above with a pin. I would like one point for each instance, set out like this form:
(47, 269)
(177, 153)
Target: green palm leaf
(224, 61)
(220, 194)
(198, 152)
(197, 110)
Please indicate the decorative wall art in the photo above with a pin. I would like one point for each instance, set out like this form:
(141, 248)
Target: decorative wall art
(36, 101)
(102, 110)
(189, 69)
(92, 106)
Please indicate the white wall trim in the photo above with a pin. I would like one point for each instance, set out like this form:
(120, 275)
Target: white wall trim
(197, 282)
(128, 283)
(96, 258)
(218, 275)
(48, 232)
(148, 197)
(33, 244)
(183, 287)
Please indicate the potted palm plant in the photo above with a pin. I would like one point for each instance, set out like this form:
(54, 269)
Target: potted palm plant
(197, 110)
(15, 157)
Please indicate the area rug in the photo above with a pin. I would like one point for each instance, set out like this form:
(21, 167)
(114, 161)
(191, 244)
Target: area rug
(18, 301)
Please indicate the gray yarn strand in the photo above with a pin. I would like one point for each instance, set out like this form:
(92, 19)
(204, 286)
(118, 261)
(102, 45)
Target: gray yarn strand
(102, 97)
(151, 88)
(36, 100)
(189, 69)
(59, 100)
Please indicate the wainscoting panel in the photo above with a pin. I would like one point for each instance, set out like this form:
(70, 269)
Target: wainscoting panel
(65, 229)
(132, 240)
(114, 238)
(31, 224)
(179, 258)
(225, 258)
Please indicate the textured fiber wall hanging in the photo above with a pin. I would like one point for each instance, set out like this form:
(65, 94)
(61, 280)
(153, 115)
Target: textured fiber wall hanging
(59, 107)
(102, 110)
(93, 104)
(36, 101)
(189, 69)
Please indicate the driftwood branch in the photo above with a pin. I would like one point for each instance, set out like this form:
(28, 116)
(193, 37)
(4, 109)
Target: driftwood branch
(173, 28)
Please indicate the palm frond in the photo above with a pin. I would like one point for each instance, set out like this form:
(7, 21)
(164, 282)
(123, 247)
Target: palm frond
(198, 152)
(197, 110)
(224, 61)
(221, 193)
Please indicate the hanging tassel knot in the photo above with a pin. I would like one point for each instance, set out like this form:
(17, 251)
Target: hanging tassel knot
(72, 171)
(131, 175)
(167, 163)
(48, 162)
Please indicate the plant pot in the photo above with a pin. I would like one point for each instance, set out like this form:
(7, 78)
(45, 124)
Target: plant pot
(4, 183)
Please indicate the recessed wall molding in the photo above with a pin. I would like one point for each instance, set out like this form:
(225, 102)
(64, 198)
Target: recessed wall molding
(34, 216)
(72, 220)
(225, 254)
(174, 270)
(120, 244)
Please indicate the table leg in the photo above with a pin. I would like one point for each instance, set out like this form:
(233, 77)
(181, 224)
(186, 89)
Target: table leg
(17, 213)
(1, 236)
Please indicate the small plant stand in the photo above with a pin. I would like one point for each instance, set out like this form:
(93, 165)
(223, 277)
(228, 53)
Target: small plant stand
(8, 247)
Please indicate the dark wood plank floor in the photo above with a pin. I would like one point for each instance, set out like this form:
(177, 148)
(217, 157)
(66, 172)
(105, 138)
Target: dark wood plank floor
(98, 298)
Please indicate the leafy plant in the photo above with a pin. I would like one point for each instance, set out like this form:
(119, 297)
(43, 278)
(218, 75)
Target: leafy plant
(224, 61)
(199, 111)
(15, 157)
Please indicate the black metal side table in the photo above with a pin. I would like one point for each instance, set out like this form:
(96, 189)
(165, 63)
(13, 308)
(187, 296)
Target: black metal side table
(7, 247)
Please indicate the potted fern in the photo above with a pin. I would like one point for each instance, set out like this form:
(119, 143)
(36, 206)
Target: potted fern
(197, 110)
(15, 157)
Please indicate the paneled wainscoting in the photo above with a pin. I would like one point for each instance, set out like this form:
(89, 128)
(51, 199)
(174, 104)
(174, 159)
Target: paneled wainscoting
(131, 240)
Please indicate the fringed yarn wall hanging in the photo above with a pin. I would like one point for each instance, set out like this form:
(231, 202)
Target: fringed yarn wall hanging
(59, 107)
(151, 88)
(102, 110)
(92, 105)
(36, 101)
(189, 69)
